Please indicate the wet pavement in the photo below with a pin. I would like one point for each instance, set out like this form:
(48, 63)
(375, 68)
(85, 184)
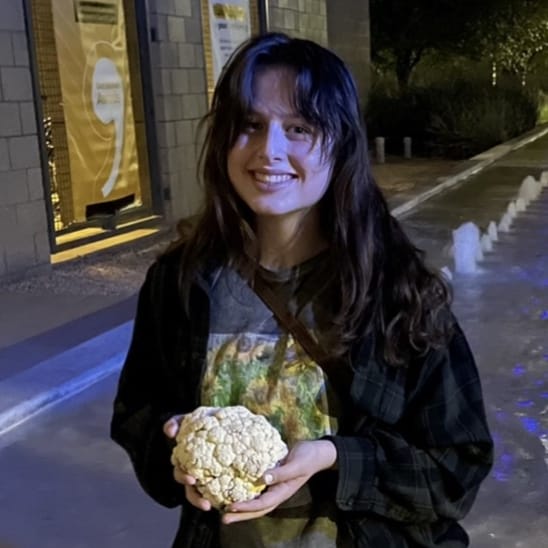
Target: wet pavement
(64, 484)
(503, 308)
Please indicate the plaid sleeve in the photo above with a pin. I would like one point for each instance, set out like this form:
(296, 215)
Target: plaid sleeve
(137, 419)
(429, 464)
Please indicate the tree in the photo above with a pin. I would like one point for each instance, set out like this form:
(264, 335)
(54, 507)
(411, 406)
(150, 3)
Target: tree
(509, 32)
(517, 33)
(402, 31)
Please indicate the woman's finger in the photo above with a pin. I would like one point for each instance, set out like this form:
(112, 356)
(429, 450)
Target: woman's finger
(171, 426)
(194, 497)
(268, 500)
(233, 517)
(192, 494)
(303, 461)
(290, 471)
(181, 477)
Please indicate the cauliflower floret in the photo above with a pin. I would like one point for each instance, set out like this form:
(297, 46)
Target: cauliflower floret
(227, 450)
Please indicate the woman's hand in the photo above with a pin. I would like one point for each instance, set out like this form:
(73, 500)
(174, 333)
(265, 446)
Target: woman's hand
(170, 428)
(303, 461)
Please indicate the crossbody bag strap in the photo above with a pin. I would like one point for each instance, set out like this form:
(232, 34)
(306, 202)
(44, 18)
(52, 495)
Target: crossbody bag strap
(335, 371)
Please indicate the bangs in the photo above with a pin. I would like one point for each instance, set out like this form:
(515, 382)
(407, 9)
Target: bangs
(311, 101)
(322, 93)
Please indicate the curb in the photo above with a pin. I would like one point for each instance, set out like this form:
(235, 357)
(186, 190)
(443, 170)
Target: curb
(49, 382)
(483, 160)
(69, 373)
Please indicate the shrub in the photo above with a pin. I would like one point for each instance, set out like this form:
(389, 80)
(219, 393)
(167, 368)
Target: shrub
(393, 116)
(466, 120)
(456, 119)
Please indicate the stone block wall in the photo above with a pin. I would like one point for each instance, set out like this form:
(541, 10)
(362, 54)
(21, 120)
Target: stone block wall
(348, 36)
(180, 81)
(180, 86)
(341, 25)
(300, 18)
(24, 240)
(180, 99)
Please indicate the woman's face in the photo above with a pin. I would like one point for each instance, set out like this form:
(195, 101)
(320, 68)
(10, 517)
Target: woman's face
(276, 165)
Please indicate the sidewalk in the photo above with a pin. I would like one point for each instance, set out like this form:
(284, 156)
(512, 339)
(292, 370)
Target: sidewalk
(61, 332)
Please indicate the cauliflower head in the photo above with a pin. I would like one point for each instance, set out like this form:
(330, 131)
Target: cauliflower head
(227, 450)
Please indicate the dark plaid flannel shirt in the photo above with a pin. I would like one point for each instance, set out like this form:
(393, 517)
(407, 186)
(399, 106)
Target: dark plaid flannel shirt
(407, 472)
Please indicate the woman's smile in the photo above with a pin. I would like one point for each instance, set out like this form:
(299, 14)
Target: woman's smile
(272, 182)
(277, 165)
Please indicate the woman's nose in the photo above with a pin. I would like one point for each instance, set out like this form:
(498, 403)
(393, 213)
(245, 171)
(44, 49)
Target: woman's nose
(272, 143)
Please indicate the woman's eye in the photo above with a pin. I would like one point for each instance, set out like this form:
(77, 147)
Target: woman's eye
(300, 130)
(252, 125)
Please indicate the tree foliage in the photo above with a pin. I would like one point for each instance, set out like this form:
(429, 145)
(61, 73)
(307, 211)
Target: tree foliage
(509, 32)
(517, 33)
(402, 31)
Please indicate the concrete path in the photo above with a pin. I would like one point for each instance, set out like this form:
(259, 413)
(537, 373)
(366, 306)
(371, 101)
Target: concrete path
(504, 310)
(64, 484)
(82, 301)
(76, 489)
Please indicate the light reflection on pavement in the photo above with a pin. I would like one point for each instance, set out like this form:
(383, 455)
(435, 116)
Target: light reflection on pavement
(503, 309)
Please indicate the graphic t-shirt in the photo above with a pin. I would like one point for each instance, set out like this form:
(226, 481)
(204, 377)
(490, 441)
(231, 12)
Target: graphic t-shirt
(252, 361)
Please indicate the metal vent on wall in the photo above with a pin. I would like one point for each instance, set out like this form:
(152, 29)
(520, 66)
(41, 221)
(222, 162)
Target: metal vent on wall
(96, 12)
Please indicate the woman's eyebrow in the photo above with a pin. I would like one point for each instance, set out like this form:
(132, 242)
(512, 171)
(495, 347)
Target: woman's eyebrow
(252, 112)
(293, 114)
(286, 116)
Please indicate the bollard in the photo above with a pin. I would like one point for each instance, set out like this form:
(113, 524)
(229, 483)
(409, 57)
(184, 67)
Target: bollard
(520, 205)
(486, 243)
(466, 242)
(407, 148)
(492, 231)
(379, 147)
(505, 223)
(529, 190)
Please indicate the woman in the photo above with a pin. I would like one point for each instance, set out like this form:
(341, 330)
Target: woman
(390, 449)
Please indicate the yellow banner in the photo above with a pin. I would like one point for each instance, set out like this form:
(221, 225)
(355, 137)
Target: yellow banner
(94, 70)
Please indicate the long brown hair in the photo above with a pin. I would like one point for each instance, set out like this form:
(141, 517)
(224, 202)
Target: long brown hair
(385, 287)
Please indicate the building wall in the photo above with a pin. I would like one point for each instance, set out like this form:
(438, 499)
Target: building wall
(179, 75)
(300, 18)
(23, 226)
(341, 25)
(348, 36)
(179, 87)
